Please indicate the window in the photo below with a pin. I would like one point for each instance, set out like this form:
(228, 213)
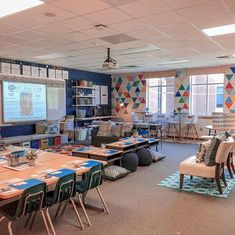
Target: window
(160, 95)
(207, 94)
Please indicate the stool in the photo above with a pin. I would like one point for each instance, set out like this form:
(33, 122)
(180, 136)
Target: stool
(175, 130)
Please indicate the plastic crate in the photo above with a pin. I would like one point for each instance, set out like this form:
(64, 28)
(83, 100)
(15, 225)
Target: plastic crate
(35, 144)
(25, 144)
(50, 142)
(44, 143)
(57, 140)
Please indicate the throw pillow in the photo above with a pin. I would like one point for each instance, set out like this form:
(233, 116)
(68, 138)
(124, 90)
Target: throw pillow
(105, 129)
(210, 154)
(115, 172)
(116, 131)
(200, 155)
(126, 127)
(229, 133)
(156, 156)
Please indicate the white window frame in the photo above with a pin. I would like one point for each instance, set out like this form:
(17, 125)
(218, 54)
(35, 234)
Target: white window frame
(160, 86)
(207, 84)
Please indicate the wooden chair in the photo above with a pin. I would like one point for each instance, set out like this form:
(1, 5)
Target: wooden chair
(190, 167)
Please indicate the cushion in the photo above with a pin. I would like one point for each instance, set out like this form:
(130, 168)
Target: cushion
(40, 128)
(156, 156)
(229, 133)
(126, 127)
(145, 157)
(115, 172)
(202, 148)
(130, 161)
(210, 154)
(116, 130)
(105, 129)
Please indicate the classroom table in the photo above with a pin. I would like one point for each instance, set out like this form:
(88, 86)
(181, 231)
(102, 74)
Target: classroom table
(52, 161)
(104, 154)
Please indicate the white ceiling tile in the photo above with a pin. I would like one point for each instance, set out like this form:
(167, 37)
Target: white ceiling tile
(176, 28)
(52, 30)
(76, 37)
(8, 29)
(29, 35)
(215, 21)
(11, 40)
(163, 19)
(177, 4)
(129, 26)
(22, 20)
(81, 7)
(145, 7)
(144, 34)
(207, 10)
(99, 33)
(118, 2)
(108, 16)
(39, 13)
(230, 4)
(78, 23)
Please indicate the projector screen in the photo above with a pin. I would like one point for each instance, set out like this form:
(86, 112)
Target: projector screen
(24, 102)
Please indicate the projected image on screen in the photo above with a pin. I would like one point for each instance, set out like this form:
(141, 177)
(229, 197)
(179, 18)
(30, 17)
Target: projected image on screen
(24, 102)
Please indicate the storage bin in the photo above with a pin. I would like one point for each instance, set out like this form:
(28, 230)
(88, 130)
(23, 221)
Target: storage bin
(81, 134)
(44, 143)
(35, 144)
(50, 142)
(25, 144)
(57, 140)
(64, 138)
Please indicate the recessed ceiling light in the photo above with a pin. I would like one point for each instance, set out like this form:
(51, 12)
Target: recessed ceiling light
(220, 30)
(13, 6)
(174, 62)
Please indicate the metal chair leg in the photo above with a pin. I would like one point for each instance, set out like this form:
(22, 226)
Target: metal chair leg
(9, 228)
(84, 210)
(76, 211)
(50, 222)
(45, 222)
(58, 210)
(65, 206)
(33, 219)
(102, 199)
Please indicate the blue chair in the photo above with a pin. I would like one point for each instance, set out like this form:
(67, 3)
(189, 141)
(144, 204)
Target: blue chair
(93, 179)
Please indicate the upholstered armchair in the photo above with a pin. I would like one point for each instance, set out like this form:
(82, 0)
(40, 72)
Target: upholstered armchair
(230, 164)
(190, 167)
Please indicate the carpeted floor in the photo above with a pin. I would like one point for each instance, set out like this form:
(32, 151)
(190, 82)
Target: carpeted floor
(139, 207)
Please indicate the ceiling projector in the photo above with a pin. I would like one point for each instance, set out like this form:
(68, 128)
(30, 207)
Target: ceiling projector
(109, 63)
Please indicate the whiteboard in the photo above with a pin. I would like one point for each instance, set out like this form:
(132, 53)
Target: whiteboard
(56, 103)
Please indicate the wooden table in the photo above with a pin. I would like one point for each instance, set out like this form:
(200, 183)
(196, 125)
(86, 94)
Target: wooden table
(215, 129)
(104, 154)
(46, 161)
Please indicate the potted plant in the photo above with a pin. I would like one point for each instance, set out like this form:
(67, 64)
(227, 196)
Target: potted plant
(31, 156)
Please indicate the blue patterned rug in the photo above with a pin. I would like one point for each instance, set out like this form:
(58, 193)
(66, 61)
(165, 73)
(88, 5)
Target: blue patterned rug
(198, 185)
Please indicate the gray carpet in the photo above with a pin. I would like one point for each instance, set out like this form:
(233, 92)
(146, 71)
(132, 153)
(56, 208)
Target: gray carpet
(138, 206)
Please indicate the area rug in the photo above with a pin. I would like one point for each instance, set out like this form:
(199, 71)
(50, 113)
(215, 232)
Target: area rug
(198, 185)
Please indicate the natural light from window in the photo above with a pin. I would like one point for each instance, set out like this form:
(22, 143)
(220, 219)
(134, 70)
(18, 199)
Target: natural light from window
(160, 95)
(207, 94)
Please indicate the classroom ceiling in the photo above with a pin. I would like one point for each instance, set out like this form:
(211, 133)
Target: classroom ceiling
(144, 35)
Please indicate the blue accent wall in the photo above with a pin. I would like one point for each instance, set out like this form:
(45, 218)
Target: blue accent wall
(96, 78)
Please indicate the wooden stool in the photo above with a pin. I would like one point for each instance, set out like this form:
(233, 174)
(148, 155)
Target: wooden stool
(193, 130)
(175, 130)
